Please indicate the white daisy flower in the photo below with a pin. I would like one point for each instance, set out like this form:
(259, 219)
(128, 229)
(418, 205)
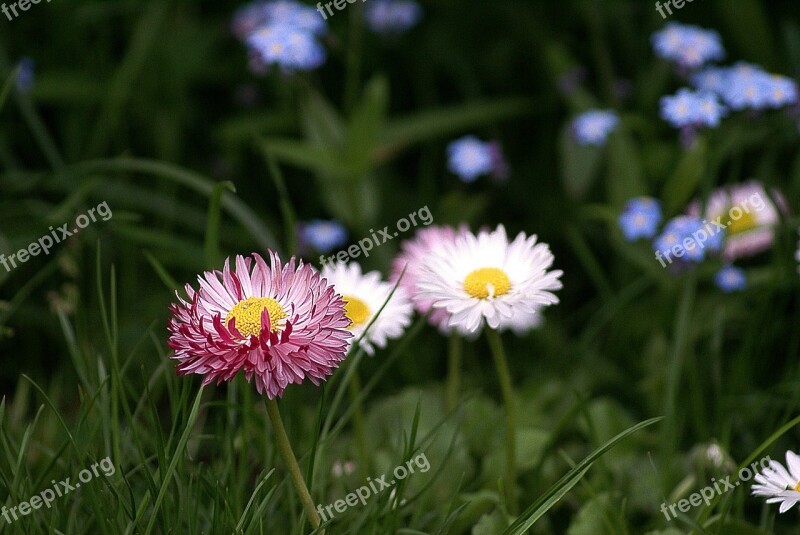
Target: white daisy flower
(364, 295)
(486, 278)
(780, 485)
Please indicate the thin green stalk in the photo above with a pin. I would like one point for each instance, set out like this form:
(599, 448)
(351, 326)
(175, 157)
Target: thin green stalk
(285, 447)
(358, 425)
(500, 362)
(353, 74)
(453, 371)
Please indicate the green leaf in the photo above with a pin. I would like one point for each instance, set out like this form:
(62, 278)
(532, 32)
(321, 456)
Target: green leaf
(683, 182)
(580, 165)
(366, 124)
(565, 484)
(624, 168)
(441, 122)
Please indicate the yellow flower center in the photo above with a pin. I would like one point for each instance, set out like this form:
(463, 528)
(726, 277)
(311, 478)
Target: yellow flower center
(487, 282)
(356, 310)
(797, 487)
(248, 315)
(746, 222)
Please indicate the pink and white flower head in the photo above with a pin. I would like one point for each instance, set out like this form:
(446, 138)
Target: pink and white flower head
(748, 215)
(485, 279)
(367, 303)
(414, 253)
(278, 323)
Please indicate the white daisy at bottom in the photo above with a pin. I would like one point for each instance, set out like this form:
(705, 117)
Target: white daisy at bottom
(484, 278)
(363, 296)
(779, 484)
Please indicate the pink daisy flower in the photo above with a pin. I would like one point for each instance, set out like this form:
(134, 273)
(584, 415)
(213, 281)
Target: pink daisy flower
(414, 253)
(748, 215)
(279, 323)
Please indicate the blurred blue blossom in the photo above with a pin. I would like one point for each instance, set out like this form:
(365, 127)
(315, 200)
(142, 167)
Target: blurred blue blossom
(745, 86)
(692, 236)
(392, 16)
(255, 15)
(26, 76)
(287, 47)
(469, 158)
(731, 279)
(593, 126)
(640, 218)
(322, 236)
(695, 109)
(282, 33)
(688, 46)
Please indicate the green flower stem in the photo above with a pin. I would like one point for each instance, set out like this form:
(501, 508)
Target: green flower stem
(358, 425)
(285, 447)
(453, 370)
(500, 362)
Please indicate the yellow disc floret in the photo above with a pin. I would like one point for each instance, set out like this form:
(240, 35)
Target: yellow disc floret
(746, 222)
(356, 310)
(487, 282)
(248, 315)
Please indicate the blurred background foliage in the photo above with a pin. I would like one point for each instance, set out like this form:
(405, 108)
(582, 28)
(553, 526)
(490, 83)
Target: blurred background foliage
(149, 106)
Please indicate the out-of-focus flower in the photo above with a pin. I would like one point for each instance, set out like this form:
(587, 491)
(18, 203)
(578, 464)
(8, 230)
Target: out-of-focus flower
(322, 236)
(692, 236)
(260, 13)
(688, 46)
(730, 279)
(748, 87)
(410, 263)
(797, 253)
(287, 47)
(693, 109)
(778, 484)
(283, 33)
(469, 158)
(748, 214)
(485, 279)
(364, 295)
(594, 126)
(640, 218)
(280, 324)
(26, 76)
(392, 16)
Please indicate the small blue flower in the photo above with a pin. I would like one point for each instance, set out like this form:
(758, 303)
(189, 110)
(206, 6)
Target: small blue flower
(288, 47)
(640, 219)
(322, 236)
(731, 279)
(255, 15)
(26, 76)
(392, 16)
(688, 108)
(469, 158)
(748, 87)
(688, 46)
(691, 235)
(594, 126)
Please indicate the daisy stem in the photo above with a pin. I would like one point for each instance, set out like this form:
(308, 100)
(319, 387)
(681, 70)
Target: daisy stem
(358, 424)
(453, 371)
(285, 447)
(500, 362)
